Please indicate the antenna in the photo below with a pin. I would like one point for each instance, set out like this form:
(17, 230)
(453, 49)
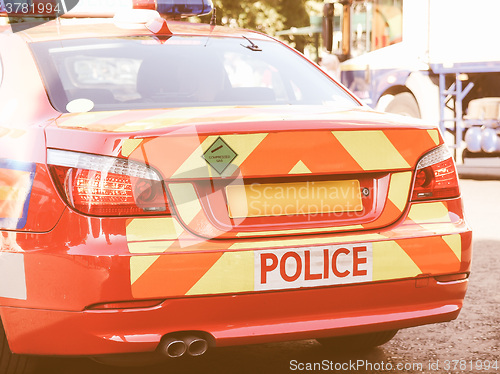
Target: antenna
(213, 20)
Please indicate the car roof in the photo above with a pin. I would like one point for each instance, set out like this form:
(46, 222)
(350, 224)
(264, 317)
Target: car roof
(101, 28)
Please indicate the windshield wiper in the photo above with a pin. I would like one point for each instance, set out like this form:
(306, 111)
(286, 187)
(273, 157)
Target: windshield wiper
(253, 47)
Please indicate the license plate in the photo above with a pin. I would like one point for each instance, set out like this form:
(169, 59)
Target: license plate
(281, 199)
(313, 266)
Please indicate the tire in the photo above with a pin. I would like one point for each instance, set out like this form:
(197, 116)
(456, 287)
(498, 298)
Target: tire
(11, 363)
(405, 104)
(360, 342)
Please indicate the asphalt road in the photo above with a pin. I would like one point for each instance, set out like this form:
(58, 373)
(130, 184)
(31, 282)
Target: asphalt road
(465, 345)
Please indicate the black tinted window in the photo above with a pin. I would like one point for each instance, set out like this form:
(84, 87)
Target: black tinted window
(147, 72)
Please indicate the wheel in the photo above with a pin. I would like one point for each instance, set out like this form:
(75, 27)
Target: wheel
(358, 342)
(404, 103)
(11, 363)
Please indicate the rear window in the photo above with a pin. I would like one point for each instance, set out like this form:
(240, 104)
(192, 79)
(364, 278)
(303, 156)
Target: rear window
(150, 72)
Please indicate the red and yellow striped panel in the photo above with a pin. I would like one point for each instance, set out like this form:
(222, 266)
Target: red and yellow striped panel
(11, 132)
(287, 152)
(204, 273)
(15, 187)
(168, 261)
(194, 217)
(253, 117)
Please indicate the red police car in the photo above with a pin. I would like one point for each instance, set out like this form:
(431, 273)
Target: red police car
(169, 187)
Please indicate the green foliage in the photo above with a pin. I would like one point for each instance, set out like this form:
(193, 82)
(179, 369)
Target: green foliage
(267, 16)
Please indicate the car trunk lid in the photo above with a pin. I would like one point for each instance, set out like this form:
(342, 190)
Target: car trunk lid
(253, 172)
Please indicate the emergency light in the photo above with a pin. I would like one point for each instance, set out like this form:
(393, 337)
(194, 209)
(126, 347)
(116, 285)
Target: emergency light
(176, 8)
(98, 8)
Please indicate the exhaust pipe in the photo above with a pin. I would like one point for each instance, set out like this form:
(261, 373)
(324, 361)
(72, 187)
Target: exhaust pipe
(196, 346)
(173, 347)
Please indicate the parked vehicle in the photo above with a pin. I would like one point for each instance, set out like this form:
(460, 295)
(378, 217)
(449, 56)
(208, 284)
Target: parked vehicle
(427, 59)
(168, 187)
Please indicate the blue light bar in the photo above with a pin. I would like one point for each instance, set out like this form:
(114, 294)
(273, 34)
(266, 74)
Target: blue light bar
(184, 8)
(94, 8)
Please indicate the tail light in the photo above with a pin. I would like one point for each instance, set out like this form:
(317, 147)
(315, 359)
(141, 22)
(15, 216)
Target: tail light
(107, 186)
(436, 176)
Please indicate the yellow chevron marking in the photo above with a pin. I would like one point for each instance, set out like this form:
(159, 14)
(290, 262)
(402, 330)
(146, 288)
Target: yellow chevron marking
(170, 117)
(6, 192)
(455, 243)
(440, 228)
(14, 193)
(301, 231)
(17, 133)
(175, 116)
(390, 261)
(429, 213)
(233, 272)
(243, 145)
(399, 189)
(371, 150)
(196, 167)
(434, 134)
(142, 229)
(300, 168)
(88, 119)
(150, 246)
(186, 201)
(307, 241)
(137, 126)
(139, 265)
(130, 145)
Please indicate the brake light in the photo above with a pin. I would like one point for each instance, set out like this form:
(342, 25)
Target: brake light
(436, 176)
(107, 186)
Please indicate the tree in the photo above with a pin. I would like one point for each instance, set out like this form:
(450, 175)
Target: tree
(267, 16)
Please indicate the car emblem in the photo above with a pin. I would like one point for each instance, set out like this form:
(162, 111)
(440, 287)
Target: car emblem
(219, 155)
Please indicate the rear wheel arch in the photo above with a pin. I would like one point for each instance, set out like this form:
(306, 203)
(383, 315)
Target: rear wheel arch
(399, 100)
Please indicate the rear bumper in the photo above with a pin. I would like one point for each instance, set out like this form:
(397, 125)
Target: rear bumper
(218, 287)
(237, 319)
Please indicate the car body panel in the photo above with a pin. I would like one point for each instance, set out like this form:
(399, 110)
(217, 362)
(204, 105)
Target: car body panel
(336, 152)
(234, 320)
(74, 278)
(85, 29)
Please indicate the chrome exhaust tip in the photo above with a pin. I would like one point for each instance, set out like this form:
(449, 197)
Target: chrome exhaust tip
(173, 347)
(196, 346)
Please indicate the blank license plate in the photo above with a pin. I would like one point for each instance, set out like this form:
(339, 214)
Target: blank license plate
(281, 199)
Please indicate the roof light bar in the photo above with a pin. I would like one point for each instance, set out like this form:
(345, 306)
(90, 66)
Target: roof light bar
(97, 9)
(176, 8)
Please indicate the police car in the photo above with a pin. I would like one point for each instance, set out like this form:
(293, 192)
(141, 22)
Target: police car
(169, 187)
